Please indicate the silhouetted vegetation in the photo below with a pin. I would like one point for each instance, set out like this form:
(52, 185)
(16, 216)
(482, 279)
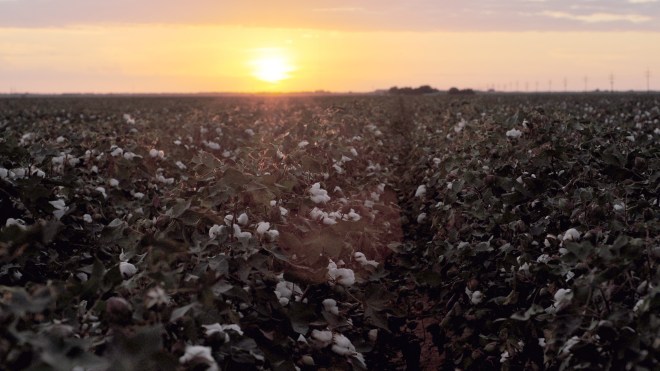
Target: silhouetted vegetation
(424, 89)
(457, 91)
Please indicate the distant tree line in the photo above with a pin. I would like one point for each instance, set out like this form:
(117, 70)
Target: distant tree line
(424, 89)
(457, 91)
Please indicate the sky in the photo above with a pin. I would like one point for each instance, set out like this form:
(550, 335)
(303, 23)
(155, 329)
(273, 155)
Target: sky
(54, 46)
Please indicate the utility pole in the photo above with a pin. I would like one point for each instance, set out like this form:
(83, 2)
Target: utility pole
(648, 80)
(611, 83)
(565, 85)
(586, 83)
(549, 85)
(537, 86)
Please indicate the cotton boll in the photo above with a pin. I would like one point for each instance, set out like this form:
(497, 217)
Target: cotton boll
(273, 234)
(514, 133)
(421, 217)
(341, 276)
(216, 230)
(20, 223)
(153, 153)
(229, 219)
(249, 132)
(262, 227)
(303, 144)
(362, 259)
(101, 190)
(87, 218)
(318, 195)
(113, 182)
(242, 219)
(180, 165)
(330, 306)
(127, 270)
(571, 235)
(421, 191)
(201, 355)
(342, 345)
(321, 339)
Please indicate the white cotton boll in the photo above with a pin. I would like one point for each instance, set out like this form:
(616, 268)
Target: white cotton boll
(338, 169)
(544, 258)
(153, 153)
(514, 133)
(60, 208)
(342, 276)
(4, 173)
(218, 328)
(283, 211)
(273, 203)
(216, 230)
(101, 190)
(342, 345)
(519, 180)
(242, 219)
(60, 139)
(563, 297)
(229, 219)
(569, 275)
(180, 165)
(450, 185)
(504, 357)
(157, 296)
(113, 182)
(353, 152)
(352, 215)
(638, 305)
(373, 335)
(20, 223)
(421, 191)
(177, 142)
(262, 227)
(211, 145)
(287, 290)
(477, 297)
(321, 339)
(127, 270)
(330, 306)
(87, 218)
(201, 354)
(249, 132)
(620, 206)
(329, 221)
(421, 217)
(273, 234)
(303, 144)
(362, 259)
(116, 152)
(130, 155)
(138, 195)
(318, 195)
(437, 161)
(571, 235)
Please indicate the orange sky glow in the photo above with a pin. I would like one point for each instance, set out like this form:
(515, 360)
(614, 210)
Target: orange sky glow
(105, 56)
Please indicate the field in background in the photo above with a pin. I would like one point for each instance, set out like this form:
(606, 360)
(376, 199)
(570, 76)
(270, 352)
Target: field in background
(481, 232)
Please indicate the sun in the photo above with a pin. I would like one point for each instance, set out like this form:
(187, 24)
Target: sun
(271, 66)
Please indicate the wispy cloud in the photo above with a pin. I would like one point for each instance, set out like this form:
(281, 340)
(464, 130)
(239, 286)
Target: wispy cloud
(338, 10)
(598, 17)
(642, 1)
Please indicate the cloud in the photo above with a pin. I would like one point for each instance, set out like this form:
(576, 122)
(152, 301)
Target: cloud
(338, 10)
(599, 17)
(642, 1)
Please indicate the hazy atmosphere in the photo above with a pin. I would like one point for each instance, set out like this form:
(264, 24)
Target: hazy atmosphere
(205, 46)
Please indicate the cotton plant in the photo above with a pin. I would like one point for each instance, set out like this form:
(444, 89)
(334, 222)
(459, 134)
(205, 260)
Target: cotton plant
(198, 354)
(318, 195)
(222, 330)
(340, 276)
(60, 208)
(286, 291)
(362, 259)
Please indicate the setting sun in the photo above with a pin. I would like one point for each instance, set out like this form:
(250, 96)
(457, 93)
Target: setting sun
(271, 66)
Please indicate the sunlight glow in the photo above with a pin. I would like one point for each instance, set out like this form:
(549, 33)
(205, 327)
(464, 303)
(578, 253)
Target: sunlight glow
(271, 65)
